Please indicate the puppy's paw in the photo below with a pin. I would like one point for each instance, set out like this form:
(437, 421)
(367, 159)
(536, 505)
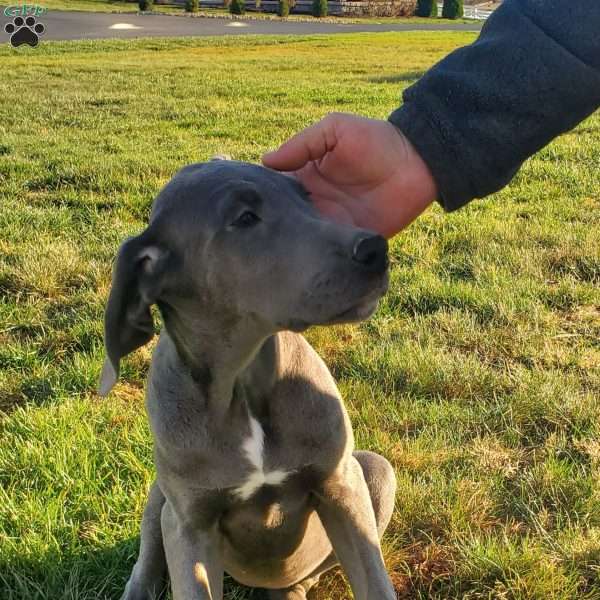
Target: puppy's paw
(135, 591)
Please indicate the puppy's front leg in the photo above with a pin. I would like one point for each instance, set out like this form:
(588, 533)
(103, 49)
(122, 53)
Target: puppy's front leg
(346, 511)
(193, 557)
(148, 578)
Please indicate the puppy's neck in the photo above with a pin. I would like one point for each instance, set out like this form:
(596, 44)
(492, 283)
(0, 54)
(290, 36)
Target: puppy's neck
(220, 355)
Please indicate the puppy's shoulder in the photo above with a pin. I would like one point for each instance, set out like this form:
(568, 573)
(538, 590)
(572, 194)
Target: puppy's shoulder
(308, 409)
(302, 363)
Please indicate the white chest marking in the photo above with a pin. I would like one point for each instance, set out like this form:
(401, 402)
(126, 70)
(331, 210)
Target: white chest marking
(254, 448)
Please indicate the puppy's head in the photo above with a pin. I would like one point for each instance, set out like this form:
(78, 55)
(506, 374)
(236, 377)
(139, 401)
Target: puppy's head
(230, 242)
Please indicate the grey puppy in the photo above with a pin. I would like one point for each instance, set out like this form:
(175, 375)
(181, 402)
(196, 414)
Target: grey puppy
(256, 470)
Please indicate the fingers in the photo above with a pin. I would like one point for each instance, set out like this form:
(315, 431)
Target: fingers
(312, 143)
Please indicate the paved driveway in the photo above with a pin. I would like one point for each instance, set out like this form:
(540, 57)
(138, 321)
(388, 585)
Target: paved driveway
(85, 25)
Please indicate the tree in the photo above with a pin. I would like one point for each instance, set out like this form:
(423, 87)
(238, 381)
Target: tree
(284, 8)
(191, 5)
(427, 8)
(453, 9)
(145, 4)
(319, 8)
(237, 7)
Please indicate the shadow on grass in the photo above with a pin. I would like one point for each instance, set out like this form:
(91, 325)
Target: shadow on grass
(88, 572)
(580, 130)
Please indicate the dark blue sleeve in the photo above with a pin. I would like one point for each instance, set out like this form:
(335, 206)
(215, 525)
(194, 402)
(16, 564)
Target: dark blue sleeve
(533, 73)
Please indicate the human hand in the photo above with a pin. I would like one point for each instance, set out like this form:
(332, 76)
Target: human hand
(358, 171)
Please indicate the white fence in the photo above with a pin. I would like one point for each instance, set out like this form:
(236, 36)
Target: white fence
(472, 12)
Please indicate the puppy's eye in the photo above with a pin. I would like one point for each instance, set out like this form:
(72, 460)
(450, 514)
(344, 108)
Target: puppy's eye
(246, 219)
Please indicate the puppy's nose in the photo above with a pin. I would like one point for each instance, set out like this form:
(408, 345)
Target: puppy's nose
(371, 252)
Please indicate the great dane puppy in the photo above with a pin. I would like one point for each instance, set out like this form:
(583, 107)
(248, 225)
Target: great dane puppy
(256, 470)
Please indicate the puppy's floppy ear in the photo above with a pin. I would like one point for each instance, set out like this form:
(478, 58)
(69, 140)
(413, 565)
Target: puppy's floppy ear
(138, 278)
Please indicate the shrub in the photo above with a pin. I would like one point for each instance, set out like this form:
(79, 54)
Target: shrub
(427, 8)
(191, 6)
(145, 4)
(258, 4)
(284, 8)
(237, 7)
(377, 8)
(319, 8)
(453, 9)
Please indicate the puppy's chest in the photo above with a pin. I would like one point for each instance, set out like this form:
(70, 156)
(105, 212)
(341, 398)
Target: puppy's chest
(264, 464)
(276, 454)
(287, 443)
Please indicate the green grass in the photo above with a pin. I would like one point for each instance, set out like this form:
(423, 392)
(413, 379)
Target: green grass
(478, 377)
(91, 5)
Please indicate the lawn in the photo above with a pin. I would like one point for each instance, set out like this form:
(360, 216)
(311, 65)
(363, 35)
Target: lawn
(91, 5)
(478, 377)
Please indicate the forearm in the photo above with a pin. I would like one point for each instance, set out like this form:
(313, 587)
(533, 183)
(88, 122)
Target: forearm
(533, 73)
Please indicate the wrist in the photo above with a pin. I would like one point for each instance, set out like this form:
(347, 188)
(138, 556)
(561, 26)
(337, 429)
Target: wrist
(412, 189)
(425, 185)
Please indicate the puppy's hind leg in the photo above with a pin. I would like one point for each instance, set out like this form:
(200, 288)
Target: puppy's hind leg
(381, 481)
(148, 578)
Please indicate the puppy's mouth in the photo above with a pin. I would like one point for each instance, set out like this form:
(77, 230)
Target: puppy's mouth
(363, 308)
(358, 309)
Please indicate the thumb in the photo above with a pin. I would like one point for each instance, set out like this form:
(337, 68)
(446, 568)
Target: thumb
(312, 143)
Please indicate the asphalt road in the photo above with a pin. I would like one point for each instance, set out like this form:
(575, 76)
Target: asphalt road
(85, 25)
